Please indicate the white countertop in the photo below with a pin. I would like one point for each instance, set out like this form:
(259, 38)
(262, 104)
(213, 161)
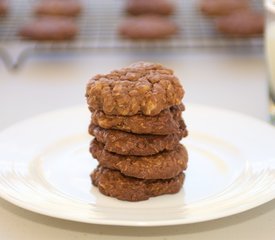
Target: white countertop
(233, 81)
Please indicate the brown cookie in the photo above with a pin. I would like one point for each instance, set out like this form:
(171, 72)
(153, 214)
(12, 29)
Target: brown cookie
(222, 7)
(148, 27)
(113, 183)
(164, 165)
(125, 143)
(58, 7)
(4, 7)
(145, 88)
(139, 7)
(241, 24)
(49, 28)
(167, 122)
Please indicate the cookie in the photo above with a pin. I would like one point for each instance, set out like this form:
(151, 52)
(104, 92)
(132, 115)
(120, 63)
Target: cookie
(221, 7)
(125, 143)
(114, 184)
(164, 165)
(169, 121)
(241, 24)
(58, 7)
(4, 7)
(145, 88)
(139, 7)
(49, 28)
(147, 27)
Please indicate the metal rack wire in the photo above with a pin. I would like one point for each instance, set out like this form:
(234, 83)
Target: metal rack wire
(98, 30)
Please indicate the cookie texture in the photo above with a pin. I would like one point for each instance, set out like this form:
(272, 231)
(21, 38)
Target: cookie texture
(68, 8)
(164, 165)
(241, 24)
(145, 88)
(125, 143)
(49, 28)
(113, 183)
(168, 121)
(148, 27)
(222, 7)
(139, 7)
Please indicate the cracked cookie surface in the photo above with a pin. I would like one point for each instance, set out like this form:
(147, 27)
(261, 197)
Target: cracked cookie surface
(169, 121)
(144, 88)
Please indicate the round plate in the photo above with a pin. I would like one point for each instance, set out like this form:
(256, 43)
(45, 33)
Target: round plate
(45, 166)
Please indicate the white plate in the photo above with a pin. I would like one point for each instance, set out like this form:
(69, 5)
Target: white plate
(45, 167)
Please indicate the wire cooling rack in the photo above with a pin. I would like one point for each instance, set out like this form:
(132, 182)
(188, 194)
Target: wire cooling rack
(98, 30)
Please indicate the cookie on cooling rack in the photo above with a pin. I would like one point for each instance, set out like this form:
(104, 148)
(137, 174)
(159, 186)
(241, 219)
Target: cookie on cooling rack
(144, 88)
(68, 8)
(125, 143)
(49, 28)
(168, 121)
(147, 27)
(139, 7)
(246, 23)
(4, 7)
(222, 7)
(113, 183)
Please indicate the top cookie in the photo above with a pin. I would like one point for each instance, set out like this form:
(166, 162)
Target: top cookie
(145, 88)
(160, 7)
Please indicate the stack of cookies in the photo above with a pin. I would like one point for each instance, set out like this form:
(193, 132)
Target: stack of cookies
(137, 125)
